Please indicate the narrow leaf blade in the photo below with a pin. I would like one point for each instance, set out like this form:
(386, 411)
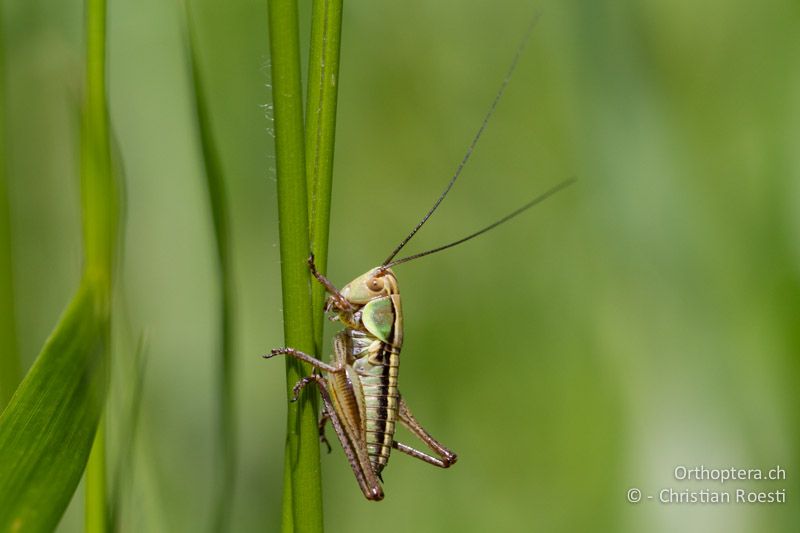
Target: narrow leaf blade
(46, 432)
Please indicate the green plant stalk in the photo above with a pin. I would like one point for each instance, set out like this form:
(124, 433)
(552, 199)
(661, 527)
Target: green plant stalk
(302, 496)
(98, 188)
(96, 504)
(323, 76)
(215, 185)
(10, 366)
(100, 209)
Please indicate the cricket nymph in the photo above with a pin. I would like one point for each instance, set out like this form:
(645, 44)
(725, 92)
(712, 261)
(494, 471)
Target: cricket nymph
(359, 385)
(359, 389)
(371, 340)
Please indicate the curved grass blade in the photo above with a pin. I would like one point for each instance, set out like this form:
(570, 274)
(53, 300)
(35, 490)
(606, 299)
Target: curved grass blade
(48, 427)
(47, 430)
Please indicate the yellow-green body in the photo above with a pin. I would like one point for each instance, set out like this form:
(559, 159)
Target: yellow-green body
(359, 390)
(370, 348)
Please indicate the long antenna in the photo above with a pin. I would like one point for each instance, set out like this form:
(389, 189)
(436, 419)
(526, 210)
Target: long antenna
(474, 142)
(542, 197)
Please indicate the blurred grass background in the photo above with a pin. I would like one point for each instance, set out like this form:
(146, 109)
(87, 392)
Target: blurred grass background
(645, 318)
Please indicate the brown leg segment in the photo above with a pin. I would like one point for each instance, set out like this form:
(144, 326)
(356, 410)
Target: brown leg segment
(341, 301)
(356, 452)
(321, 426)
(313, 361)
(446, 457)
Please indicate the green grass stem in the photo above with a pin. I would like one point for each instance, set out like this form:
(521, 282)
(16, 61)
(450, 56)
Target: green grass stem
(97, 515)
(215, 186)
(10, 366)
(98, 187)
(302, 496)
(323, 84)
(100, 221)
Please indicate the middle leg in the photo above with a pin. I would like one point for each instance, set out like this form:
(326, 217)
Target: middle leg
(313, 361)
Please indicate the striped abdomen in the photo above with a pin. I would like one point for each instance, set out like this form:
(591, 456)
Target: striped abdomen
(379, 385)
(376, 345)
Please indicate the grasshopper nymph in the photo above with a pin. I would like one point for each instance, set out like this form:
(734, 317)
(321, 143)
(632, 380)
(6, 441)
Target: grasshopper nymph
(359, 390)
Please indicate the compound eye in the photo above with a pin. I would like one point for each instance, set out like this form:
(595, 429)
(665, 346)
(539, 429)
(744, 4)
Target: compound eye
(375, 284)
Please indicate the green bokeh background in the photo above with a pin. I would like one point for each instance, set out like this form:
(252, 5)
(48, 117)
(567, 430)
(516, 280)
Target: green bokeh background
(645, 318)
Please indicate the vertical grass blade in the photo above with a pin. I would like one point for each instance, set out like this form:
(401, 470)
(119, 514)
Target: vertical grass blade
(302, 498)
(303, 155)
(97, 509)
(98, 187)
(47, 430)
(100, 212)
(10, 367)
(323, 83)
(215, 185)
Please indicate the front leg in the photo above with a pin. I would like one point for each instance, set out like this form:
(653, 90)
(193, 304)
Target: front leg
(341, 301)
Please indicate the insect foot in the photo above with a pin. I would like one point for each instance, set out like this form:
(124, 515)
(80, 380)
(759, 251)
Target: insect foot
(298, 387)
(449, 459)
(275, 351)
